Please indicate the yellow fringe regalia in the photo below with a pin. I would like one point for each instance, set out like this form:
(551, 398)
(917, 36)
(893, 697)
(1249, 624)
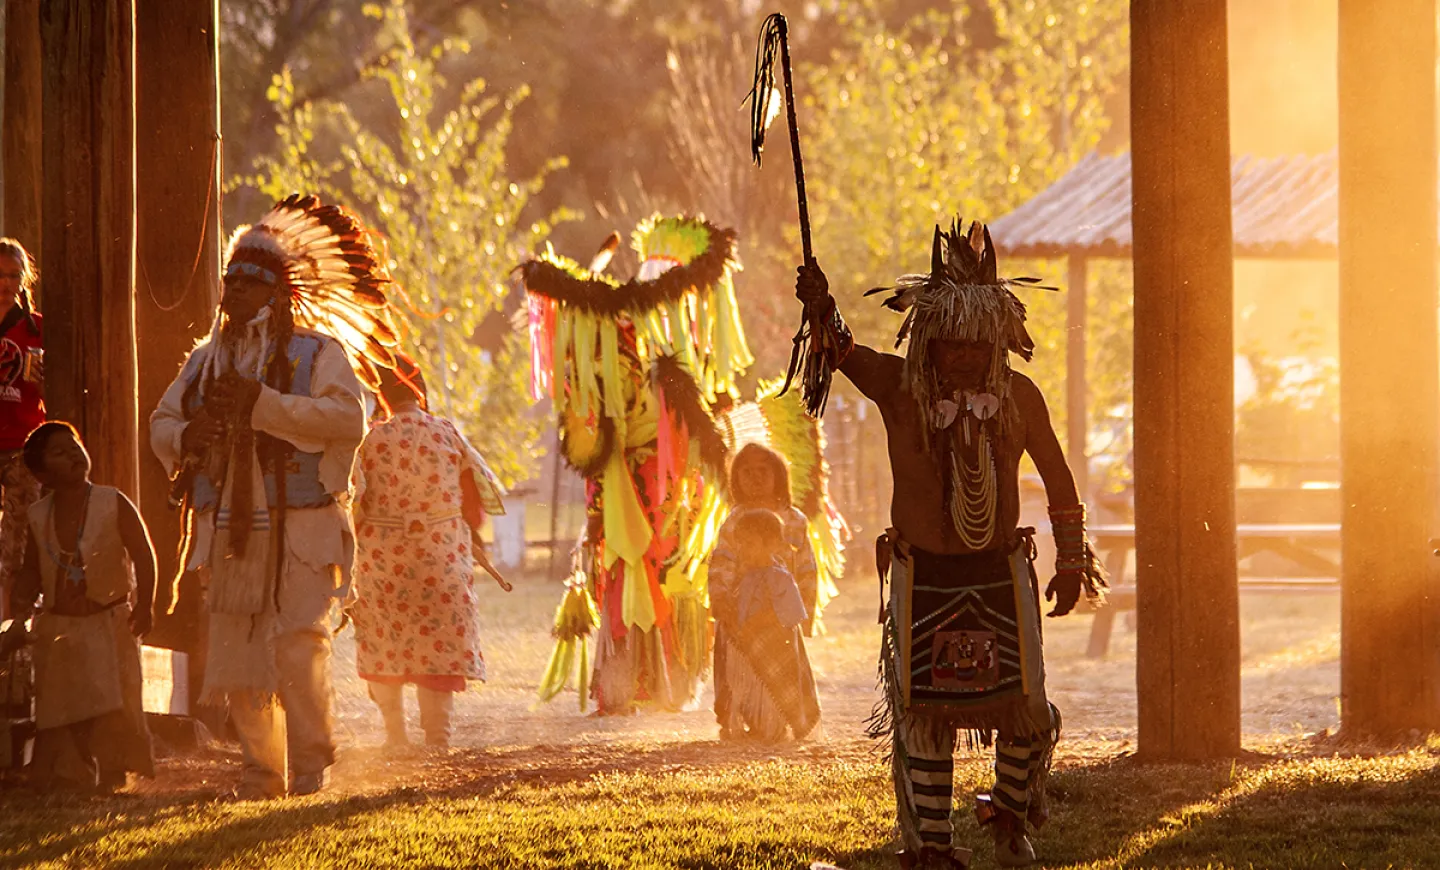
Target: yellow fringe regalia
(634, 371)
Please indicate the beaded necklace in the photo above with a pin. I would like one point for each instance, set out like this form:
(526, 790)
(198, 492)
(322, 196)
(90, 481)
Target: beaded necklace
(71, 562)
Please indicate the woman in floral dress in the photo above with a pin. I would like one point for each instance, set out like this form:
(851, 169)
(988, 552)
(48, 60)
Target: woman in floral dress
(421, 495)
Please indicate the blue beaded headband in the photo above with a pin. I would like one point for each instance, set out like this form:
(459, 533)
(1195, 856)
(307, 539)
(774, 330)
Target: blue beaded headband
(254, 271)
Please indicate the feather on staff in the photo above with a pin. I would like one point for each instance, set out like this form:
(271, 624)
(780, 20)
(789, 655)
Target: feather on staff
(822, 340)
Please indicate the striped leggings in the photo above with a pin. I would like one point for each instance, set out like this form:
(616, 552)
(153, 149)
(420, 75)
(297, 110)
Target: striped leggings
(924, 768)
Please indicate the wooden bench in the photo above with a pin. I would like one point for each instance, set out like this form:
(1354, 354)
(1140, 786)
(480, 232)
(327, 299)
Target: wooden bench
(1306, 545)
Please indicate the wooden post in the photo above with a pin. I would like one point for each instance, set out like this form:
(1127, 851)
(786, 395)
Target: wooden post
(177, 110)
(88, 219)
(1077, 382)
(1188, 657)
(1389, 670)
(21, 143)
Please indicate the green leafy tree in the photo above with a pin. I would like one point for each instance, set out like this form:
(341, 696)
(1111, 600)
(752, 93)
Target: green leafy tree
(907, 126)
(434, 184)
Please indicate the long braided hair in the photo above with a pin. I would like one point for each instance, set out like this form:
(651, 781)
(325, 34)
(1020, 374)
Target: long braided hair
(330, 275)
(274, 453)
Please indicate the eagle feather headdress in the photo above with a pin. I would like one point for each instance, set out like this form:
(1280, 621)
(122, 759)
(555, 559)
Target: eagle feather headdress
(334, 271)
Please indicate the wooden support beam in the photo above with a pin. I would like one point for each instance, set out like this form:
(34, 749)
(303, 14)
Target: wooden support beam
(1188, 657)
(88, 219)
(1077, 381)
(21, 139)
(178, 231)
(1390, 653)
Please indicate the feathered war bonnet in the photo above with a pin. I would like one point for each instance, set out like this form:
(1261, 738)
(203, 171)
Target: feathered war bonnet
(961, 299)
(332, 270)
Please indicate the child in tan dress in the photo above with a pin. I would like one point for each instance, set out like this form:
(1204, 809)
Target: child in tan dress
(87, 549)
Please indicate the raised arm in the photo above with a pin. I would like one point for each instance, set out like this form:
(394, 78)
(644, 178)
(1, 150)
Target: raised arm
(136, 539)
(875, 374)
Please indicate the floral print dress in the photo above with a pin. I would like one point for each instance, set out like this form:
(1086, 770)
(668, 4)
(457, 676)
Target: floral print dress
(420, 487)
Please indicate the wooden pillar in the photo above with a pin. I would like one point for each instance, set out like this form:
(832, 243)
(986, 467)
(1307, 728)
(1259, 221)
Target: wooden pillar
(1388, 359)
(88, 224)
(21, 140)
(177, 139)
(1077, 381)
(1188, 655)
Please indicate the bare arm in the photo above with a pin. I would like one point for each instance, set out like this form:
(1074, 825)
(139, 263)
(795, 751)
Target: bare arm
(136, 539)
(1077, 570)
(877, 375)
(1043, 445)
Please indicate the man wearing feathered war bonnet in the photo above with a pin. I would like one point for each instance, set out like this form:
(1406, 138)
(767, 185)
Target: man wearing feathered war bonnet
(260, 430)
(961, 649)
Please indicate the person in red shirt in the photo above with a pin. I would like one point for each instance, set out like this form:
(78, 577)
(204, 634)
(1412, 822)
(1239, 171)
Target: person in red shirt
(22, 402)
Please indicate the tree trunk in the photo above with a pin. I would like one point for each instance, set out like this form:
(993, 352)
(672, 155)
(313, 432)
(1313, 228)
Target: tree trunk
(1388, 359)
(88, 212)
(178, 242)
(22, 123)
(1188, 657)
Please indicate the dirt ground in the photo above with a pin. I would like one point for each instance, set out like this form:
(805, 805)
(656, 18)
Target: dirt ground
(1290, 686)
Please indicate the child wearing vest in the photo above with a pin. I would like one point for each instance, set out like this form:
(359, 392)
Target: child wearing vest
(87, 548)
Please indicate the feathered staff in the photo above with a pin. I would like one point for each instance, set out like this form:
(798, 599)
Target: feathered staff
(820, 346)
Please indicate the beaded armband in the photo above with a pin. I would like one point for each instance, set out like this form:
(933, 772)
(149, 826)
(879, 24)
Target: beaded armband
(1073, 553)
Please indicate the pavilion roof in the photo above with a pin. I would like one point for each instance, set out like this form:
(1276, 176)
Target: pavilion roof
(1284, 207)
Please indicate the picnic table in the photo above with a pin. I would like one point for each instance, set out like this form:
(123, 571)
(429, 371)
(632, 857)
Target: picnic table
(1312, 547)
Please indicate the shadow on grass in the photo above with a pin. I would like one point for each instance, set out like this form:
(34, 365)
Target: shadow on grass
(1095, 808)
(197, 826)
(1295, 812)
(1298, 812)
(1316, 813)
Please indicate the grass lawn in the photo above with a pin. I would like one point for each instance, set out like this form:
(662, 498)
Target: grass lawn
(706, 806)
(553, 788)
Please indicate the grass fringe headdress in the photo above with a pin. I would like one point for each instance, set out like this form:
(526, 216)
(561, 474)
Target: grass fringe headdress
(961, 299)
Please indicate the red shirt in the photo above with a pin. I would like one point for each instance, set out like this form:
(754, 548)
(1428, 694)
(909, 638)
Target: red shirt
(22, 407)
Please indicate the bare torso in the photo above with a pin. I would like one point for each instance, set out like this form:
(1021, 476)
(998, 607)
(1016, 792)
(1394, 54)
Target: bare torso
(917, 509)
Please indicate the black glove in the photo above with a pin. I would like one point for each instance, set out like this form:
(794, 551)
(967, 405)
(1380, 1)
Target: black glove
(811, 284)
(1064, 590)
